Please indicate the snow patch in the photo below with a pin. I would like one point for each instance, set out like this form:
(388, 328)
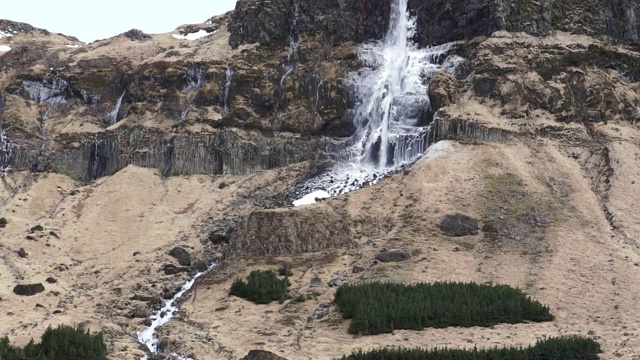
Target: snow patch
(4, 48)
(193, 36)
(5, 34)
(311, 198)
(72, 46)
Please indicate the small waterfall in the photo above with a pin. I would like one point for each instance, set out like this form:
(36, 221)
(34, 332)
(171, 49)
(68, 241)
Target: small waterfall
(194, 79)
(44, 115)
(184, 113)
(112, 117)
(391, 107)
(96, 162)
(227, 89)
(53, 92)
(164, 315)
(6, 152)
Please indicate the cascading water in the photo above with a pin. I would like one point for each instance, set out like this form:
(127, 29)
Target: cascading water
(6, 152)
(227, 89)
(391, 107)
(289, 63)
(164, 315)
(44, 115)
(112, 117)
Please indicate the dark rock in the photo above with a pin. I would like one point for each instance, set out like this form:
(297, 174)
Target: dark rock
(147, 322)
(141, 311)
(39, 305)
(459, 225)
(490, 227)
(262, 355)
(52, 280)
(28, 289)
(29, 237)
(222, 185)
(136, 253)
(52, 233)
(57, 311)
(170, 269)
(394, 256)
(456, 249)
(336, 283)
(182, 255)
(37, 228)
(357, 269)
(22, 253)
(316, 281)
(138, 297)
(3, 223)
(137, 35)
(220, 233)
(199, 266)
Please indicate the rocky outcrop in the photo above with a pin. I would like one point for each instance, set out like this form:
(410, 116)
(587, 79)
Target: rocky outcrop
(182, 255)
(443, 90)
(459, 225)
(262, 355)
(290, 231)
(394, 256)
(465, 130)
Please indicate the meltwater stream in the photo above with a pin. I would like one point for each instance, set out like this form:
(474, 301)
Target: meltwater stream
(148, 336)
(391, 107)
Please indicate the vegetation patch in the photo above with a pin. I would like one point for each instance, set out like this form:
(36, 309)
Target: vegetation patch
(378, 308)
(261, 287)
(64, 342)
(561, 348)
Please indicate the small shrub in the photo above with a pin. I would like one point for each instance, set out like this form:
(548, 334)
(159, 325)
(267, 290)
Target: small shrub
(562, 348)
(300, 298)
(261, 287)
(383, 307)
(285, 270)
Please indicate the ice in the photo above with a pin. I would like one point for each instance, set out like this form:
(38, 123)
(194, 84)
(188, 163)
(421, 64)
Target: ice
(4, 48)
(311, 198)
(193, 36)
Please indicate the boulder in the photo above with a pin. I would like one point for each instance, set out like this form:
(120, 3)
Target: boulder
(3, 223)
(459, 225)
(22, 253)
(52, 280)
(182, 255)
(262, 355)
(394, 256)
(36, 228)
(170, 269)
(199, 266)
(28, 289)
(141, 311)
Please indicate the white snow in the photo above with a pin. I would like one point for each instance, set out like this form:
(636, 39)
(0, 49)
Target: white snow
(193, 36)
(5, 34)
(4, 48)
(72, 46)
(311, 198)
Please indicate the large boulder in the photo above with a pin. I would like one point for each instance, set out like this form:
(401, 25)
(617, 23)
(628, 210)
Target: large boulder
(28, 289)
(394, 256)
(182, 255)
(262, 355)
(443, 90)
(459, 225)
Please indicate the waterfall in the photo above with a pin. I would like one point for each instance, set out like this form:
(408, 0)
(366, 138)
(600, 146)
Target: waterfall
(6, 152)
(112, 117)
(164, 315)
(44, 115)
(227, 89)
(194, 78)
(390, 108)
(184, 113)
(96, 163)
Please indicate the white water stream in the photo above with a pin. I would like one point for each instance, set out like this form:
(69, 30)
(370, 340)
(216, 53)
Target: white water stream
(112, 117)
(164, 315)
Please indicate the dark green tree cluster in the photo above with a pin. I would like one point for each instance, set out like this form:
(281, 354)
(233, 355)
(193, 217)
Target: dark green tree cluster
(62, 343)
(561, 348)
(261, 287)
(383, 307)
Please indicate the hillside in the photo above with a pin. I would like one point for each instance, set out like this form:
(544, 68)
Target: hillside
(114, 153)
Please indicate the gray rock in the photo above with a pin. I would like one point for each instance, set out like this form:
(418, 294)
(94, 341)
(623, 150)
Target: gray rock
(137, 35)
(316, 281)
(459, 225)
(262, 355)
(141, 311)
(336, 283)
(182, 255)
(170, 269)
(394, 256)
(199, 266)
(52, 280)
(22, 253)
(357, 269)
(36, 228)
(147, 322)
(3, 223)
(28, 289)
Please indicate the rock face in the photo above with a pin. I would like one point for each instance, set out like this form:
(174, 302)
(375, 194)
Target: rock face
(443, 90)
(28, 289)
(394, 256)
(459, 225)
(291, 231)
(262, 355)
